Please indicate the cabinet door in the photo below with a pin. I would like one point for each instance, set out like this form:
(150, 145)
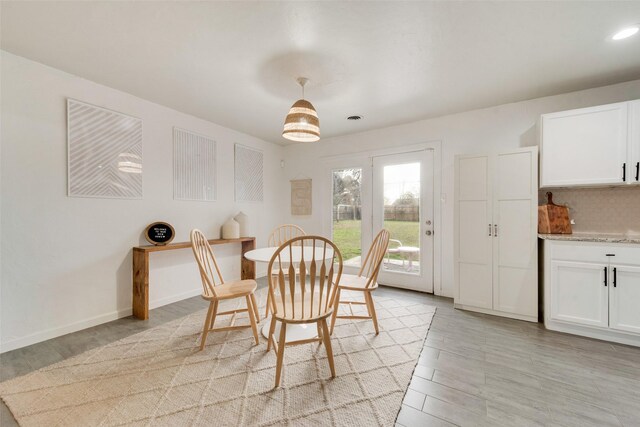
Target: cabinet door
(634, 142)
(585, 147)
(515, 214)
(473, 232)
(624, 298)
(579, 293)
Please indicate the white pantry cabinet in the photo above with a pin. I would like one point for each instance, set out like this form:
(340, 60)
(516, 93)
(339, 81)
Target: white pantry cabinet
(591, 146)
(593, 289)
(496, 220)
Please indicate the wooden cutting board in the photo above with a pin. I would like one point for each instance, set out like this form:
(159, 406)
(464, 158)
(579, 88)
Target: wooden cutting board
(553, 219)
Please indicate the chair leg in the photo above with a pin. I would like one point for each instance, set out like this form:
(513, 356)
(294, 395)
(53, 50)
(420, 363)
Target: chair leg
(252, 318)
(327, 345)
(336, 307)
(214, 314)
(266, 311)
(206, 327)
(272, 329)
(281, 346)
(255, 307)
(372, 310)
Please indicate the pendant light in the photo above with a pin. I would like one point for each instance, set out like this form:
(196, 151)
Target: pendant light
(302, 124)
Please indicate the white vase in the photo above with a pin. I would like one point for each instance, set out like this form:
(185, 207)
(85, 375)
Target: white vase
(231, 229)
(243, 220)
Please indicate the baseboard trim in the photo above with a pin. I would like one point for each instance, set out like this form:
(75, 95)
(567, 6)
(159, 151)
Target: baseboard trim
(175, 298)
(595, 333)
(63, 330)
(497, 313)
(48, 334)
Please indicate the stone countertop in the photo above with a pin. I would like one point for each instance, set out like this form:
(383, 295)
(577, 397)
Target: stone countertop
(593, 237)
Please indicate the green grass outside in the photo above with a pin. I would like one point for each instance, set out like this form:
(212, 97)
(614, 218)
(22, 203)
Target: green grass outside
(346, 235)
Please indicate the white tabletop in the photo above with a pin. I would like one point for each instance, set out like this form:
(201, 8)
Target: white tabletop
(265, 254)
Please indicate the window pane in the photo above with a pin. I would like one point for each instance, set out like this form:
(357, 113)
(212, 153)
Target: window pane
(347, 218)
(402, 216)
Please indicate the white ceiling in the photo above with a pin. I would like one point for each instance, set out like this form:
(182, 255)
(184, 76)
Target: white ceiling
(235, 63)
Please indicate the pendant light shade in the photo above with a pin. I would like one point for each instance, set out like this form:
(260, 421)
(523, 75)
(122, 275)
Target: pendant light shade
(302, 124)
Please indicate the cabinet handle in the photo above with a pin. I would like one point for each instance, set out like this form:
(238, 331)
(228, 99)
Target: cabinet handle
(637, 171)
(615, 274)
(489, 230)
(624, 172)
(605, 276)
(495, 230)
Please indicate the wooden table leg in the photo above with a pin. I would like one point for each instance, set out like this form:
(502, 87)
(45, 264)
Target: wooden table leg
(140, 284)
(248, 268)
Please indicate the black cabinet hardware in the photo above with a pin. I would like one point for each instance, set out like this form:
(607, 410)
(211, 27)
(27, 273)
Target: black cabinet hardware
(637, 171)
(611, 255)
(489, 230)
(624, 172)
(614, 277)
(605, 276)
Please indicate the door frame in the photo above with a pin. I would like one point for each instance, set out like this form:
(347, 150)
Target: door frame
(364, 160)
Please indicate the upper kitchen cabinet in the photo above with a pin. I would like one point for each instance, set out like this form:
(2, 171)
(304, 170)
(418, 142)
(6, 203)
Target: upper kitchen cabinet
(591, 146)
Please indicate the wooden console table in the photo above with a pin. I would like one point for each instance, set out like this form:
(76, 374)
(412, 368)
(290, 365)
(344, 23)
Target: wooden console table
(141, 269)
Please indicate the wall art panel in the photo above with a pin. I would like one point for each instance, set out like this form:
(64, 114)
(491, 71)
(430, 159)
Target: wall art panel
(248, 174)
(194, 166)
(104, 152)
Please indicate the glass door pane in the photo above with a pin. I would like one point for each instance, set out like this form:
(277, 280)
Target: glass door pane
(402, 194)
(347, 214)
(401, 188)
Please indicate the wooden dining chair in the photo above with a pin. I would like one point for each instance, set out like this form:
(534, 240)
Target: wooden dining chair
(366, 282)
(302, 292)
(219, 290)
(278, 236)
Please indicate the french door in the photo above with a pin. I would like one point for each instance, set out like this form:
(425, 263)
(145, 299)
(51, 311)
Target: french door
(395, 192)
(402, 202)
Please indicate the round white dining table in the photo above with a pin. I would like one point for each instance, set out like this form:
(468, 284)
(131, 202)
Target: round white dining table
(295, 332)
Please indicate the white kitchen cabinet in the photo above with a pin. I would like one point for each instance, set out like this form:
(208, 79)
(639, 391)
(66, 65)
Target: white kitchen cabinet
(624, 298)
(496, 233)
(593, 289)
(586, 147)
(580, 293)
(633, 152)
(475, 236)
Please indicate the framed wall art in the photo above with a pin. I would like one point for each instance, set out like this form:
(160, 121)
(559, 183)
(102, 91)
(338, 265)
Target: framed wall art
(248, 174)
(104, 152)
(194, 166)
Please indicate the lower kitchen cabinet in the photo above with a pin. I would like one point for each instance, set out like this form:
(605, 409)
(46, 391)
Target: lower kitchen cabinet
(624, 299)
(578, 294)
(593, 289)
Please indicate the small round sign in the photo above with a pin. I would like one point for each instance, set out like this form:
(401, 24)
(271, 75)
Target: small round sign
(159, 233)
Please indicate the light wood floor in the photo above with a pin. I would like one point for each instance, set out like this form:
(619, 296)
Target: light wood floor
(474, 369)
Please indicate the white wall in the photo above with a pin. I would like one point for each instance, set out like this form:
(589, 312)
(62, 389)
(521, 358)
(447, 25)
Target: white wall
(66, 262)
(479, 131)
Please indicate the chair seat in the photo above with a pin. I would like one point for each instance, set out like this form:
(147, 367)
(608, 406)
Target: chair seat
(355, 283)
(228, 290)
(298, 307)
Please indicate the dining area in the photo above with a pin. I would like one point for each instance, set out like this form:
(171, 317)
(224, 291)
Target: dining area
(306, 287)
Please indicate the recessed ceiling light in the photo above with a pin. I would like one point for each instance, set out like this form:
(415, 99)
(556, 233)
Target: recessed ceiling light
(626, 32)
(354, 117)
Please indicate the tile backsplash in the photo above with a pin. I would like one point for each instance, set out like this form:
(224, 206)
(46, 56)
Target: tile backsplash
(600, 210)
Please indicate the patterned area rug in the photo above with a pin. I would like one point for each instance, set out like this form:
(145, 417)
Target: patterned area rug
(157, 377)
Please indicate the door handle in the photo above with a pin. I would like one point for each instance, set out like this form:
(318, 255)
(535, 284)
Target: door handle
(605, 276)
(428, 232)
(637, 171)
(624, 172)
(615, 274)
